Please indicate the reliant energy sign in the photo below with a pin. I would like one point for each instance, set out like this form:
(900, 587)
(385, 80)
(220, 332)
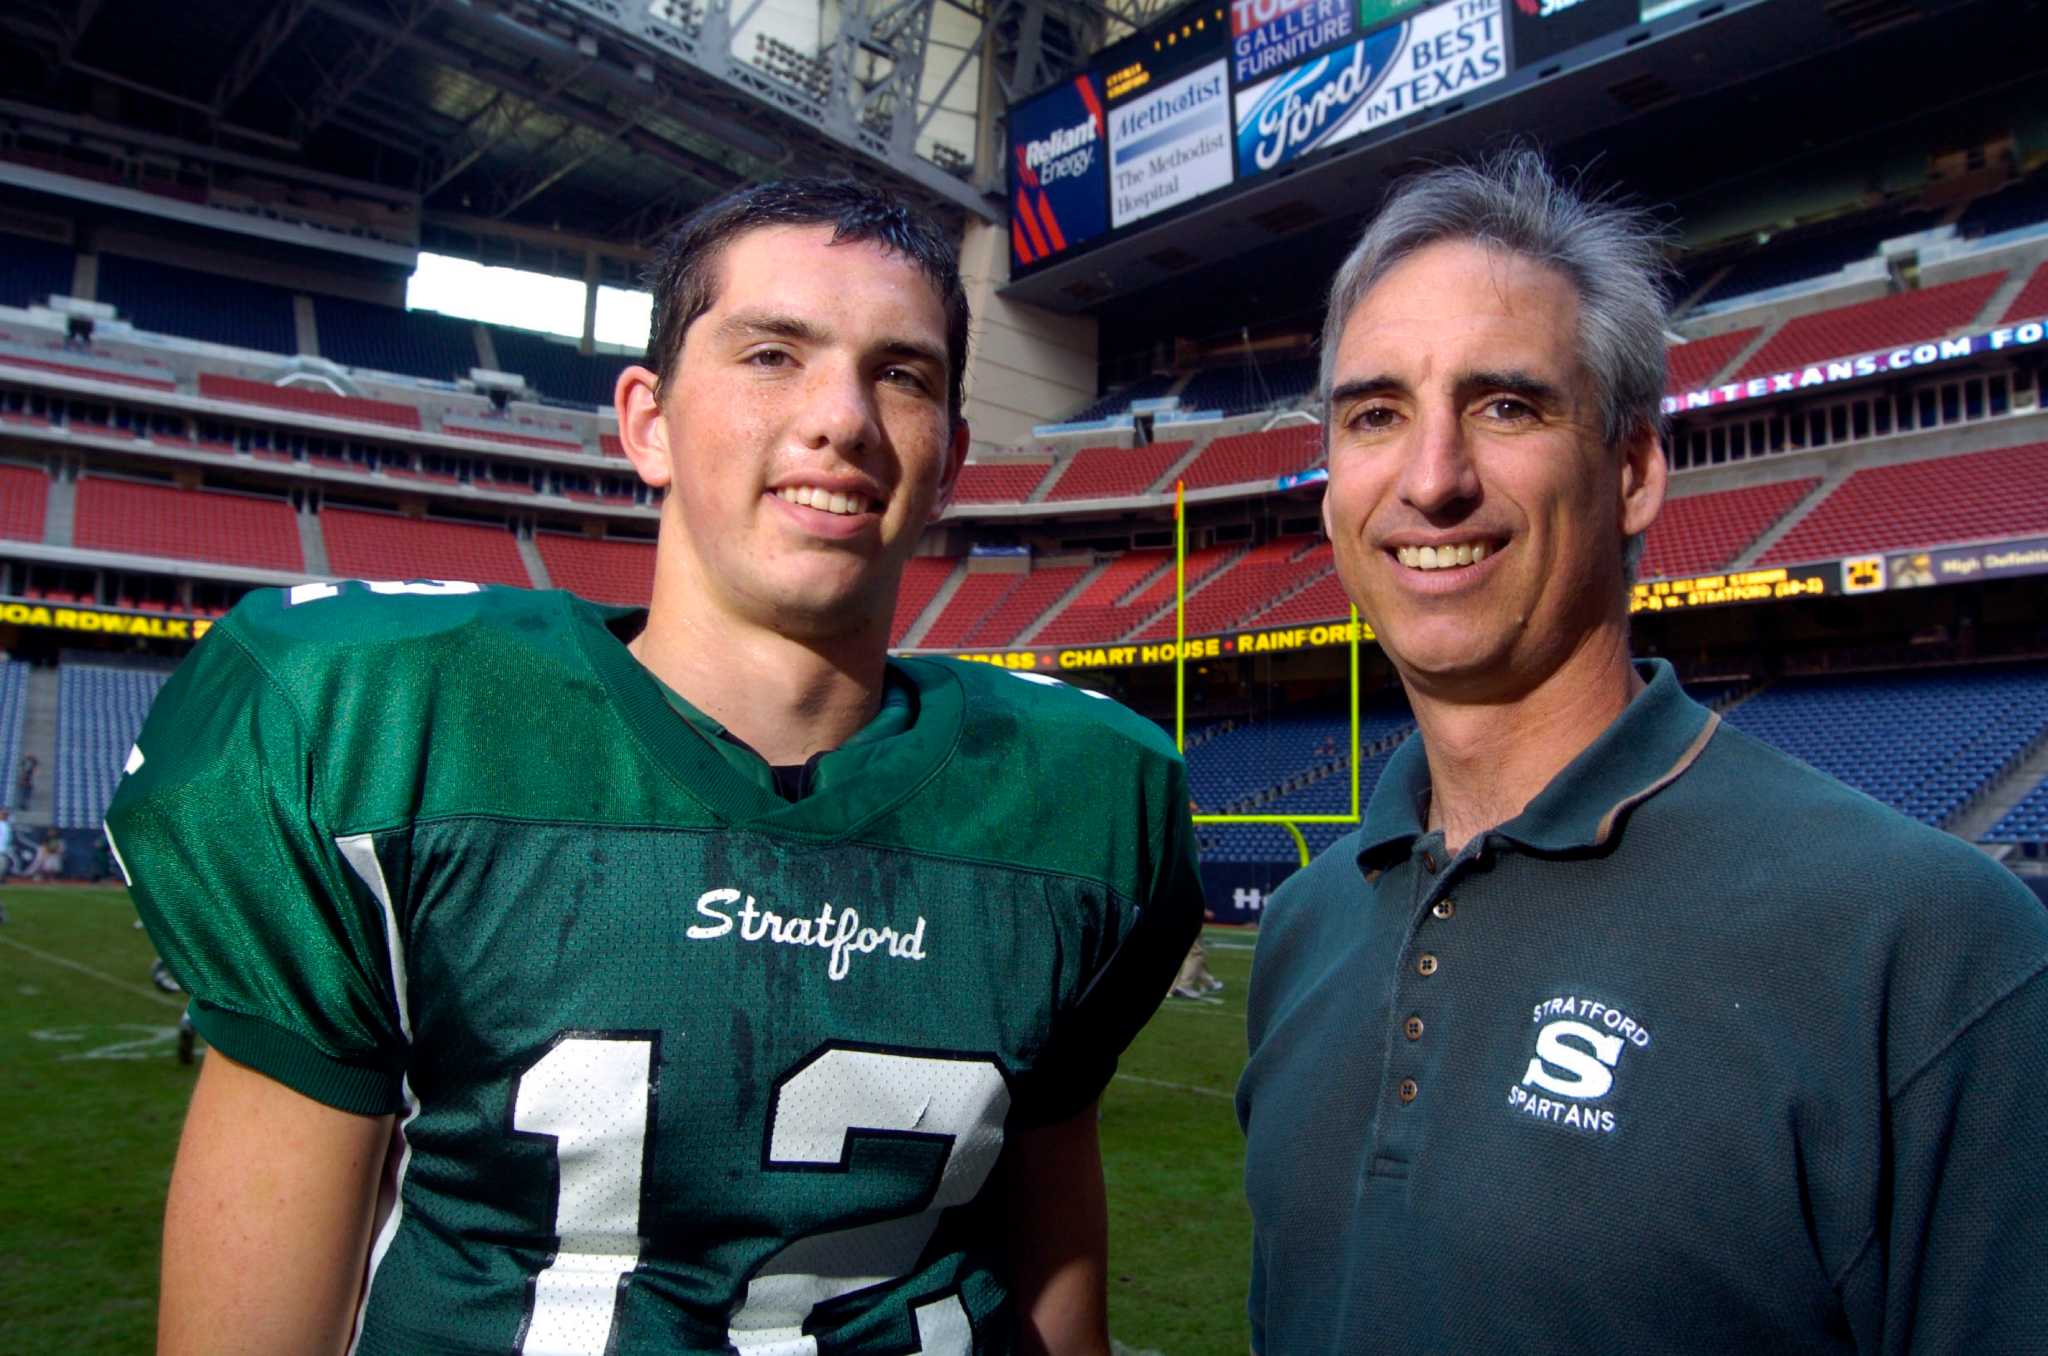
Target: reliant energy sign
(1058, 172)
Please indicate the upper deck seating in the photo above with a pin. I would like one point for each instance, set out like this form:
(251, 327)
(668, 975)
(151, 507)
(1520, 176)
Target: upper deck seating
(386, 339)
(1704, 532)
(554, 366)
(386, 546)
(602, 570)
(1248, 586)
(922, 578)
(1845, 331)
(309, 400)
(211, 307)
(1978, 496)
(33, 271)
(1248, 458)
(1692, 365)
(998, 483)
(1115, 472)
(24, 499)
(162, 520)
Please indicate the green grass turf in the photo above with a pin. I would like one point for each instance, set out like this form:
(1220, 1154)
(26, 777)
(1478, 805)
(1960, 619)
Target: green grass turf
(91, 1097)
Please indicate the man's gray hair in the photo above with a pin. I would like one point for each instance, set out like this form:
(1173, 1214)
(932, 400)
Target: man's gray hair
(1612, 254)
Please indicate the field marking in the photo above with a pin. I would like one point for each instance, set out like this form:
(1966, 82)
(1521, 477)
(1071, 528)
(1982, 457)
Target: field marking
(151, 994)
(1177, 1087)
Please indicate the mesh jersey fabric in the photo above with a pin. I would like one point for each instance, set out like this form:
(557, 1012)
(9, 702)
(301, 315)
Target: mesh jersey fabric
(681, 1064)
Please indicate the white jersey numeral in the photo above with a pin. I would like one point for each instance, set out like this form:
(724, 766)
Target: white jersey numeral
(426, 588)
(591, 1095)
(818, 1110)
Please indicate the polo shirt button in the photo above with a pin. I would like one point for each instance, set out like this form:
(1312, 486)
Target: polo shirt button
(1409, 1091)
(1429, 862)
(1412, 1028)
(1444, 908)
(1425, 965)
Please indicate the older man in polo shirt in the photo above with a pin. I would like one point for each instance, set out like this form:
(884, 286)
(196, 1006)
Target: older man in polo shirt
(1611, 1030)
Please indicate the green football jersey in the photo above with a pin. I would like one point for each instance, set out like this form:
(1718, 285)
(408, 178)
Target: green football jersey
(680, 1065)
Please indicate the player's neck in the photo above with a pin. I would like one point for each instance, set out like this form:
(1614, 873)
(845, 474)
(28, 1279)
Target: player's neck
(1489, 758)
(785, 697)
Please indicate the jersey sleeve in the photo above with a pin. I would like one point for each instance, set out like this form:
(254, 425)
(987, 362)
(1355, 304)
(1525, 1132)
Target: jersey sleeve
(250, 901)
(1129, 984)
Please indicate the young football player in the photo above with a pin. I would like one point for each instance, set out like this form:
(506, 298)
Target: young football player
(730, 986)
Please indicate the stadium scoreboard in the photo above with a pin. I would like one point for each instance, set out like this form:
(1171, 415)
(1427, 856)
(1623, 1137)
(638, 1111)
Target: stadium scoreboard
(1224, 92)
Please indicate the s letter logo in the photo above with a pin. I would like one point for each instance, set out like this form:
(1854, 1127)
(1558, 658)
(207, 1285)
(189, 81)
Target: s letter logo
(1574, 1060)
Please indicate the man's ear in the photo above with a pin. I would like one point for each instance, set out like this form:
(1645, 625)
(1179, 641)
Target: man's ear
(643, 431)
(1644, 477)
(949, 476)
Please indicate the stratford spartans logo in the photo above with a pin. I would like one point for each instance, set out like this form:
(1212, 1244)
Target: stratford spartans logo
(1579, 1047)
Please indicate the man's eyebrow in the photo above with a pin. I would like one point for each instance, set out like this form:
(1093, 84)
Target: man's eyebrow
(915, 350)
(1360, 387)
(1515, 382)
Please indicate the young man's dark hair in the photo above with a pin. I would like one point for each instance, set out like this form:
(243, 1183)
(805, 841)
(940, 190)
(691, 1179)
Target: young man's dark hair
(683, 276)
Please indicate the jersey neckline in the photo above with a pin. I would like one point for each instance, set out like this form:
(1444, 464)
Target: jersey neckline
(881, 775)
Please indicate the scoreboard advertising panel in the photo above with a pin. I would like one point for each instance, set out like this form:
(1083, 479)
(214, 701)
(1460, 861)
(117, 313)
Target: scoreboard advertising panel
(1228, 90)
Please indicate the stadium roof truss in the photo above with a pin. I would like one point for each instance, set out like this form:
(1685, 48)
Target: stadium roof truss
(598, 120)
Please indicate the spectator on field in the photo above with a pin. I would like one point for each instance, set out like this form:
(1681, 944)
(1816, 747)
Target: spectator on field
(48, 863)
(25, 781)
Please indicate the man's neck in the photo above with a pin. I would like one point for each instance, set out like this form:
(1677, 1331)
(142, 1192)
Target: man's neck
(1488, 759)
(785, 698)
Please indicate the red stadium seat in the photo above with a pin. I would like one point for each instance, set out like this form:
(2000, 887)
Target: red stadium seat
(1691, 366)
(1115, 472)
(922, 579)
(1001, 483)
(217, 387)
(162, 520)
(386, 546)
(1704, 532)
(1979, 496)
(24, 497)
(1867, 326)
(604, 571)
(1249, 458)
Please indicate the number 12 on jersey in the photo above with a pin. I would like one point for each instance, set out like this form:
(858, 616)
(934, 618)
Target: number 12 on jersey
(591, 1093)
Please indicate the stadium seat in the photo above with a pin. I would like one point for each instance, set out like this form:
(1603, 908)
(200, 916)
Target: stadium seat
(100, 709)
(555, 367)
(2032, 301)
(998, 483)
(162, 520)
(604, 571)
(1244, 386)
(1924, 743)
(1845, 331)
(1247, 586)
(922, 579)
(33, 271)
(24, 498)
(386, 546)
(1250, 458)
(207, 306)
(1690, 366)
(1024, 604)
(977, 594)
(1101, 613)
(308, 399)
(386, 339)
(1705, 532)
(1115, 472)
(1119, 401)
(13, 713)
(1974, 497)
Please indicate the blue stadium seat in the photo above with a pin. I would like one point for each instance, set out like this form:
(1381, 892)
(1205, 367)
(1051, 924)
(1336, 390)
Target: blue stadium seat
(31, 271)
(386, 339)
(13, 707)
(100, 710)
(1923, 743)
(555, 369)
(211, 307)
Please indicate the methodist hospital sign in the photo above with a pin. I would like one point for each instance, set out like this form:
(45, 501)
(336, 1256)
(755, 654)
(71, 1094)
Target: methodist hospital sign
(1902, 359)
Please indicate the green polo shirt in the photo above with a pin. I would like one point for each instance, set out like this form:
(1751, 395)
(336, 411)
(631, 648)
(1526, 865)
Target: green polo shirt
(1703, 1052)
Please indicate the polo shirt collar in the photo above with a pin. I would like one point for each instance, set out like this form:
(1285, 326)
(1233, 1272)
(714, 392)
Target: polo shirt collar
(1650, 745)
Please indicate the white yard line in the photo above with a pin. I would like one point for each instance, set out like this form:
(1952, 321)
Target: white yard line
(1177, 1087)
(151, 994)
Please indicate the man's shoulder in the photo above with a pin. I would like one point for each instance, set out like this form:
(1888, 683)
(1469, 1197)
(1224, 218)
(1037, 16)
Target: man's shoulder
(1057, 717)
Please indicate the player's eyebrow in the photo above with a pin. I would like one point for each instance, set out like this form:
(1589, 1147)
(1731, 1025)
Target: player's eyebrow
(742, 325)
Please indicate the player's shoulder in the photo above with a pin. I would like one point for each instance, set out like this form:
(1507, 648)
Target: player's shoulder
(1057, 717)
(400, 629)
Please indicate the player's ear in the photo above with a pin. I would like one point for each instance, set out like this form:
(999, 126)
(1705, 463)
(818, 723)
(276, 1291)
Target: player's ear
(949, 475)
(643, 431)
(1644, 475)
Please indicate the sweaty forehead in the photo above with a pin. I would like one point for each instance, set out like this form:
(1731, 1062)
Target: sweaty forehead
(804, 268)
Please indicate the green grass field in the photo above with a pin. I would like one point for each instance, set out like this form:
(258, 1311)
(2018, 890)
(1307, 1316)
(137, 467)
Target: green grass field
(91, 1095)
